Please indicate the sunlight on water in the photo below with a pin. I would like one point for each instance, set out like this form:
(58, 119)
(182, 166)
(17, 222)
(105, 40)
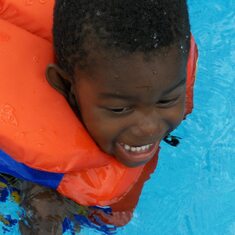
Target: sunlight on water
(9, 212)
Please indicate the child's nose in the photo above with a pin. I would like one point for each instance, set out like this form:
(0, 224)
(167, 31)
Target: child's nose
(148, 126)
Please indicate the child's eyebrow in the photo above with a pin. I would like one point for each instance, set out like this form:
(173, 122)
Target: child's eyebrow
(131, 98)
(180, 83)
(116, 96)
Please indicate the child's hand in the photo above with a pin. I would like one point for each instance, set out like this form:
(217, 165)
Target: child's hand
(45, 211)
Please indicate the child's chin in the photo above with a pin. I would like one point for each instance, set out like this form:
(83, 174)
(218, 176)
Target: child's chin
(134, 164)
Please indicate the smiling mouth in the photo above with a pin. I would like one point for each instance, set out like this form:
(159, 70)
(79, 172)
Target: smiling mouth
(137, 155)
(139, 149)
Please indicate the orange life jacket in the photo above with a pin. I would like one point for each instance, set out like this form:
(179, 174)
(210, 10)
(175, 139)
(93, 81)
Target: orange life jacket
(40, 137)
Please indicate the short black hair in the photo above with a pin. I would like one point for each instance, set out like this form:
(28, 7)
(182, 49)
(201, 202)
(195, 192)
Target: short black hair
(125, 25)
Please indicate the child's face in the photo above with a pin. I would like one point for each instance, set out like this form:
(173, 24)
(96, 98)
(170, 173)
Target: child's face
(129, 104)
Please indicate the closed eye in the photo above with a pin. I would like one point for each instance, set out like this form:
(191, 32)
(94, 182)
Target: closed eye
(119, 110)
(168, 102)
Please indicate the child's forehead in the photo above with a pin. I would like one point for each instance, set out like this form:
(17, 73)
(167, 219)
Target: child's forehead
(135, 69)
(138, 81)
(116, 61)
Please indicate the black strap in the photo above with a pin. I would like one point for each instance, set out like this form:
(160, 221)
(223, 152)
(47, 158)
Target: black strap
(172, 140)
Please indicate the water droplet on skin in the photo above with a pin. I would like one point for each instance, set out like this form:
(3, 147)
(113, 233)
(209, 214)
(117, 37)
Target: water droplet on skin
(182, 48)
(98, 13)
(154, 72)
(155, 40)
(155, 36)
(155, 45)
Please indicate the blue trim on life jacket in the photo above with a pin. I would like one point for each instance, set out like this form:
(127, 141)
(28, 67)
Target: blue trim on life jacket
(19, 170)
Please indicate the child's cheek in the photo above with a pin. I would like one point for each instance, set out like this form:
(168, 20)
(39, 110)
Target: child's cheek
(174, 115)
(103, 130)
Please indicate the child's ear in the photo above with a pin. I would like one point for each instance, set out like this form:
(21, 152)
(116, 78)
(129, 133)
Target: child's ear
(58, 79)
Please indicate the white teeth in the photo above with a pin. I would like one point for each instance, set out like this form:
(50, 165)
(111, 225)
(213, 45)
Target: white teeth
(127, 147)
(137, 149)
(133, 149)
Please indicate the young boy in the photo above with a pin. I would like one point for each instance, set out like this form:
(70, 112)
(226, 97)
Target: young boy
(121, 65)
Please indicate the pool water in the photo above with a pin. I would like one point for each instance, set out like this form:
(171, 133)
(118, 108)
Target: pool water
(192, 192)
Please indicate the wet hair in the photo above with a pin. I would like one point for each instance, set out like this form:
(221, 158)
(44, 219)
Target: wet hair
(122, 25)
